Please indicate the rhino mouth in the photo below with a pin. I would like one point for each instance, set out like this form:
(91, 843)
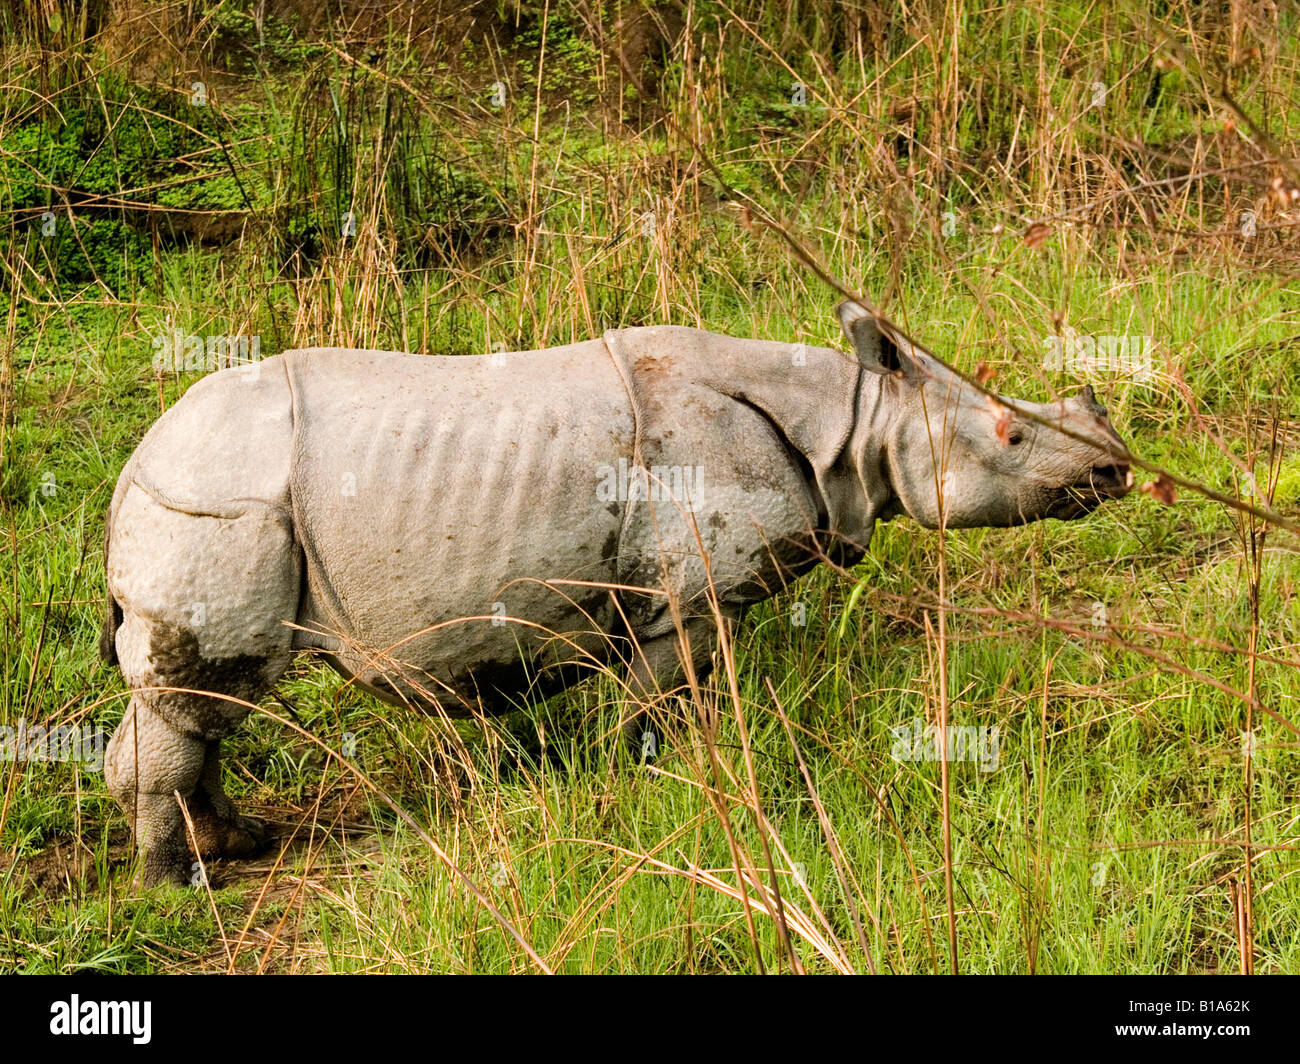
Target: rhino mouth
(1111, 481)
(1098, 484)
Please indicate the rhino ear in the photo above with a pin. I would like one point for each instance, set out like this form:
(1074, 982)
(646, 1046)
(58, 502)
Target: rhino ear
(875, 348)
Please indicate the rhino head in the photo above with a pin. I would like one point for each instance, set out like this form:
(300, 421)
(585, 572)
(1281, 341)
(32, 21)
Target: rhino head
(957, 458)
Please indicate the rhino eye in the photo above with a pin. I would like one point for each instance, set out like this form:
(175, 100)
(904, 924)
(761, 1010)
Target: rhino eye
(1015, 436)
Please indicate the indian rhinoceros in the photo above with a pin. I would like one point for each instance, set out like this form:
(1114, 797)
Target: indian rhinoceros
(457, 532)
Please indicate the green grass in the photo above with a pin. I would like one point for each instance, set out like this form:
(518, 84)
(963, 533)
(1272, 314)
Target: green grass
(1108, 837)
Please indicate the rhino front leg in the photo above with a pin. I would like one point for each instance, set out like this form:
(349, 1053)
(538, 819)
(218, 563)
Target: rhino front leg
(657, 669)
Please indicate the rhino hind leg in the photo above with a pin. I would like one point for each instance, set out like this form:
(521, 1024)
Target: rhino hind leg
(146, 764)
(219, 830)
(202, 638)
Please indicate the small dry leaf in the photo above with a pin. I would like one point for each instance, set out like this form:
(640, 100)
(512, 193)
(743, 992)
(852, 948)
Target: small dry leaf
(984, 373)
(1003, 427)
(1162, 489)
(1036, 235)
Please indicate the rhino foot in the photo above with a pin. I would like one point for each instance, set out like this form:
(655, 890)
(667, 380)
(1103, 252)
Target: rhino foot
(178, 866)
(241, 836)
(163, 865)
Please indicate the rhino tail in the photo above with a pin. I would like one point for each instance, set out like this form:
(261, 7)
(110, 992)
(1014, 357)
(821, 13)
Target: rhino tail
(108, 637)
(113, 611)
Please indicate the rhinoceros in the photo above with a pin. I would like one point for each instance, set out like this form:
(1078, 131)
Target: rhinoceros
(457, 533)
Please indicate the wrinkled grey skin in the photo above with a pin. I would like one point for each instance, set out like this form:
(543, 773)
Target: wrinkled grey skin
(455, 533)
